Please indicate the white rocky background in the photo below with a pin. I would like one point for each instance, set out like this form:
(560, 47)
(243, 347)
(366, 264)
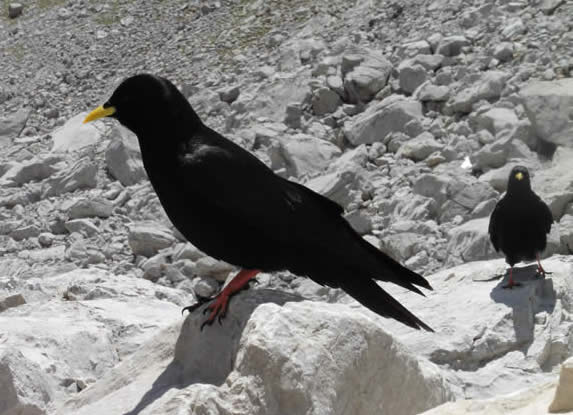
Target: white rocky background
(409, 113)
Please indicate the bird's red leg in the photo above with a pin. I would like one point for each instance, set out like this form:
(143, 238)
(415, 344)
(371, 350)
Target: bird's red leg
(219, 305)
(540, 269)
(511, 283)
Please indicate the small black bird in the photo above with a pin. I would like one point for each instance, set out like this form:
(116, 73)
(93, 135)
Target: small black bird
(520, 222)
(233, 207)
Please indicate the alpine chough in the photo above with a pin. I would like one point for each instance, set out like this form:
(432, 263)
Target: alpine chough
(234, 208)
(520, 222)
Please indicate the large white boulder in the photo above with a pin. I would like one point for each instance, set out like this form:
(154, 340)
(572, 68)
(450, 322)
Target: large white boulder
(298, 358)
(549, 105)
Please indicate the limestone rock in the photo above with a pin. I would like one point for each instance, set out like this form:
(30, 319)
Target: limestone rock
(489, 87)
(264, 368)
(75, 135)
(11, 301)
(87, 208)
(483, 330)
(146, 238)
(470, 242)
(24, 387)
(123, 158)
(83, 226)
(430, 92)
(411, 76)
(365, 73)
(563, 400)
(79, 176)
(549, 105)
(381, 119)
(325, 101)
(12, 126)
(303, 154)
(452, 45)
(420, 147)
(34, 169)
(62, 343)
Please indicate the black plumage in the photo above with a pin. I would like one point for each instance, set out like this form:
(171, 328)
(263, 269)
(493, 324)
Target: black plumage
(520, 222)
(233, 207)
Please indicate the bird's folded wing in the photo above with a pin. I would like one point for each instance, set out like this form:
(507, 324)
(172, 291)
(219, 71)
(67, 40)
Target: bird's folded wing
(235, 182)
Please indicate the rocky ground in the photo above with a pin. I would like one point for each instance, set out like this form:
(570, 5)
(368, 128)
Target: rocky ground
(409, 114)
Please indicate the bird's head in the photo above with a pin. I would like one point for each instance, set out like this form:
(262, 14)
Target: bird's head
(144, 103)
(518, 179)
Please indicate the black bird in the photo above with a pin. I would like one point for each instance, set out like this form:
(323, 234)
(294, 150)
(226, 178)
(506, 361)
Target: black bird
(233, 207)
(520, 222)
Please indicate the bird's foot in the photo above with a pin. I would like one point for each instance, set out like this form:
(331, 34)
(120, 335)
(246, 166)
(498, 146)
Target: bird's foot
(199, 303)
(218, 309)
(219, 303)
(511, 284)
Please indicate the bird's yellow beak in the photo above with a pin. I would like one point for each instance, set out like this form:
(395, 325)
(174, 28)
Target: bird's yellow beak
(519, 176)
(99, 112)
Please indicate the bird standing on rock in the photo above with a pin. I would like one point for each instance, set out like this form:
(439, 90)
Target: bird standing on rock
(520, 222)
(233, 207)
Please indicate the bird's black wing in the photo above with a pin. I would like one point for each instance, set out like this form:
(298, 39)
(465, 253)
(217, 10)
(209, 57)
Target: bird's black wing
(547, 215)
(231, 179)
(494, 224)
(242, 187)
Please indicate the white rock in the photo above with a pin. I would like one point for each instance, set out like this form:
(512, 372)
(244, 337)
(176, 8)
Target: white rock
(61, 343)
(513, 28)
(11, 301)
(211, 267)
(430, 92)
(531, 401)
(288, 359)
(304, 154)
(420, 147)
(325, 101)
(123, 158)
(34, 169)
(12, 126)
(343, 186)
(75, 135)
(411, 76)
(549, 105)
(24, 386)
(470, 242)
(83, 226)
(503, 52)
(381, 119)
(554, 183)
(365, 76)
(452, 45)
(489, 87)
(483, 330)
(146, 238)
(497, 119)
(79, 176)
(416, 48)
(86, 208)
(430, 62)
(563, 400)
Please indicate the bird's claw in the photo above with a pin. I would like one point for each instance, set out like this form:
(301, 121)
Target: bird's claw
(199, 303)
(218, 309)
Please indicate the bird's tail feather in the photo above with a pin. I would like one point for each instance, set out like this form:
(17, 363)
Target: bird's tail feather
(372, 296)
(393, 271)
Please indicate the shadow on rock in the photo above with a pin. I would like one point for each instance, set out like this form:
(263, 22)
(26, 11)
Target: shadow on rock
(534, 295)
(207, 356)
